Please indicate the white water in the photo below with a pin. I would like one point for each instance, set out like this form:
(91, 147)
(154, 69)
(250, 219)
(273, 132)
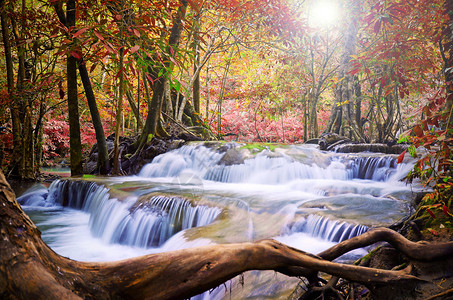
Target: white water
(194, 196)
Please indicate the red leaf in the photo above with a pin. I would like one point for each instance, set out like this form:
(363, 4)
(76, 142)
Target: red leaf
(134, 49)
(76, 54)
(98, 35)
(149, 78)
(61, 93)
(401, 157)
(377, 26)
(431, 213)
(433, 231)
(137, 33)
(445, 209)
(81, 31)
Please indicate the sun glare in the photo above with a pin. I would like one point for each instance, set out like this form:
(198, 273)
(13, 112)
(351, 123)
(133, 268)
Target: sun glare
(324, 14)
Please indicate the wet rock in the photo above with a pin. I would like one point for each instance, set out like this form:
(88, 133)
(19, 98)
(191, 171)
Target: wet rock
(377, 148)
(328, 140)
(312, 141)
(232, 157)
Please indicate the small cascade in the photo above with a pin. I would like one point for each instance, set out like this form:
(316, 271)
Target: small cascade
(377, 168)
(125, 222)
(35, 196)
(273, 170)
(152, 223)
(267, 167)
(171, 164)
(333, 231)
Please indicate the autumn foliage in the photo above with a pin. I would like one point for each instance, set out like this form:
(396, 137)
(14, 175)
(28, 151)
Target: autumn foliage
(265, 73)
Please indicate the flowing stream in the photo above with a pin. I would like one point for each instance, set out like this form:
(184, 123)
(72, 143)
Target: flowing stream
(211, 193)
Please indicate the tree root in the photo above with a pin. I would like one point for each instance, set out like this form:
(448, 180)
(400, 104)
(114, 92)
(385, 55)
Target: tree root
(448, 294)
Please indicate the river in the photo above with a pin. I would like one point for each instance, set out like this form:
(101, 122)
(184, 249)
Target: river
(211, 193)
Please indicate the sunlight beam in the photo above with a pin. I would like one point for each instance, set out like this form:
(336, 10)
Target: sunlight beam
(324, 14)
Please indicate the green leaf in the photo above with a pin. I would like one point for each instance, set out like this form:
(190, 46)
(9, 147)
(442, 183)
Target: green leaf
(412, 151)
(177, 86)
(403, 139)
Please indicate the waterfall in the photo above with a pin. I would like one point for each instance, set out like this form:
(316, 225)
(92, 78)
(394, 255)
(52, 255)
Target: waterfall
(35, 196)
(377, 168)
(171, 164)
(128, 222)
(152, 223)
(267, 167)
(333, 231)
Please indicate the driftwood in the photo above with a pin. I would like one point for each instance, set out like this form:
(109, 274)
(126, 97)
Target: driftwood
(29, 269)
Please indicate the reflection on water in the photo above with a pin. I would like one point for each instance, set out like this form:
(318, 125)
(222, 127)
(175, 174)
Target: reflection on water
(199, 195)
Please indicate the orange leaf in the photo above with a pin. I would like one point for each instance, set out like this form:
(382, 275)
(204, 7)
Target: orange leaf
(433, 231)
(401, 157)
(418, 131)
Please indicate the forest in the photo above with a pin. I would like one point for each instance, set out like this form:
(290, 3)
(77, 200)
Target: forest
(104, 87)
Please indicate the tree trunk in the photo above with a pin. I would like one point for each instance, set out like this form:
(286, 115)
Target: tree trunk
(305, 110)
(448, 46)
(7, 47)
(103, 155)
(135, 107)
(73, 102)
(73, 112)
(14, 108)
(196, 64)
(158, 87)
(119, 110)
(314, 132)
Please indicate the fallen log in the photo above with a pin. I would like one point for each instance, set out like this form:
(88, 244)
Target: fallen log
(29, 269)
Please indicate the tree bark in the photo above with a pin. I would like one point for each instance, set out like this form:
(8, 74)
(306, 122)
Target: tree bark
(119, 110)
(14, 108)
(448, 46)
(196, 64)
(103, 155)
(135, 107)
(73, 102)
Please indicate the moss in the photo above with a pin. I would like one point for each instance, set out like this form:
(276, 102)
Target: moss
(150, 137)
(88, 176)
(364, 261)
(262, 146)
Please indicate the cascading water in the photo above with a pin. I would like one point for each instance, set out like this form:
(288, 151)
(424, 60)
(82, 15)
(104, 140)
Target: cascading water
(148, 224)
(333, 231)
(306, 198)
